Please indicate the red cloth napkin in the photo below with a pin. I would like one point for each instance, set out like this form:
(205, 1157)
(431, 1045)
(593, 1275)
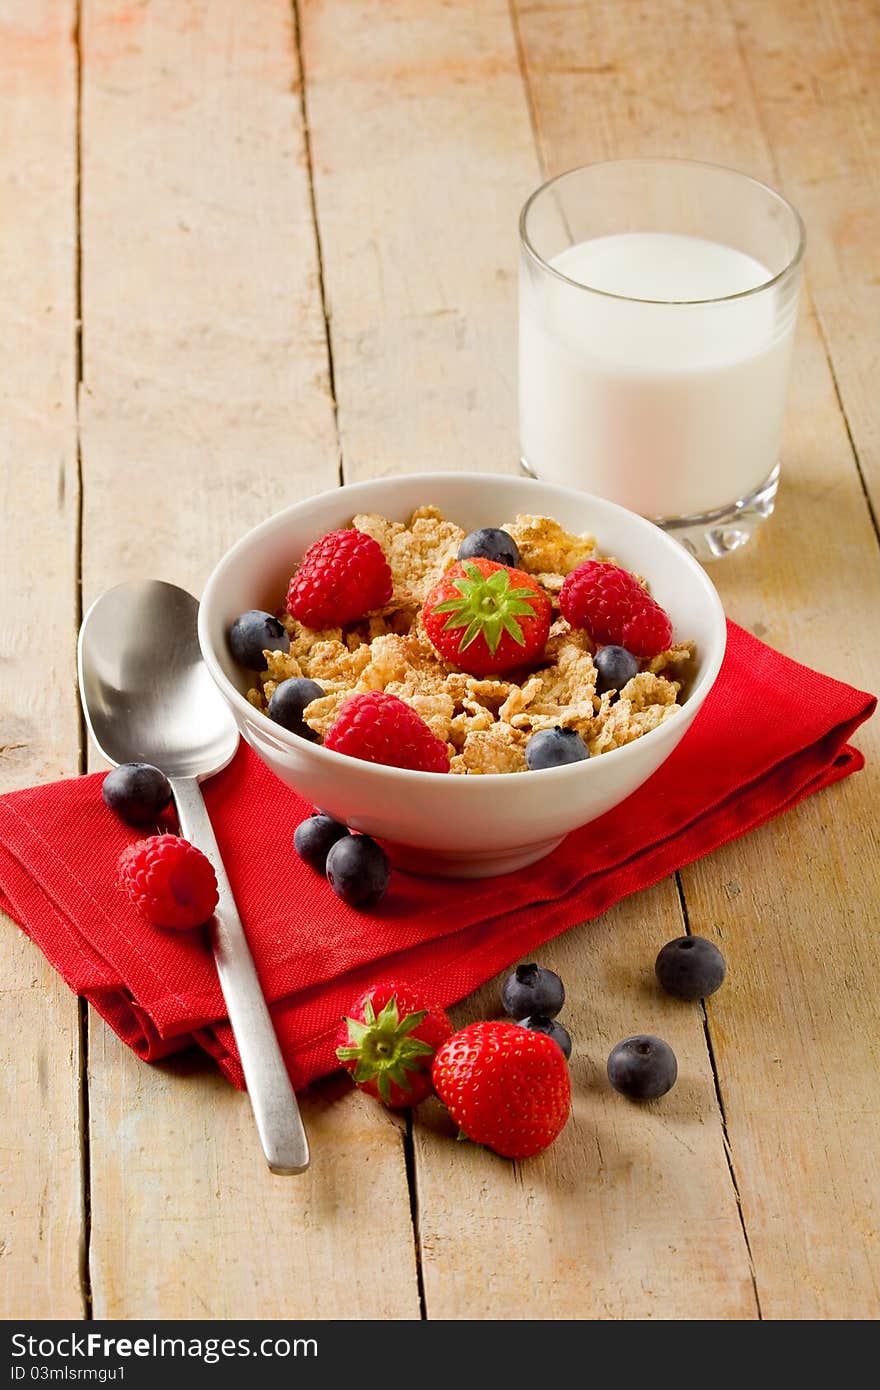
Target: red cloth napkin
(770, 733)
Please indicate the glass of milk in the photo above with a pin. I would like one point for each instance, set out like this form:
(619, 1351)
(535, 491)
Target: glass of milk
(658, 300)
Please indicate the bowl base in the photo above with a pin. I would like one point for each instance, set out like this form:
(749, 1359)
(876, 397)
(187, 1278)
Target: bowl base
(464, 864)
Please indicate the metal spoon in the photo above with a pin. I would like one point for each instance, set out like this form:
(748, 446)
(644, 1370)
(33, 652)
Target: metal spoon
(148, 697)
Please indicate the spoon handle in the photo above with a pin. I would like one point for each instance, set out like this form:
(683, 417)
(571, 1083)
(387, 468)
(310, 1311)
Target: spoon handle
(272, 1097)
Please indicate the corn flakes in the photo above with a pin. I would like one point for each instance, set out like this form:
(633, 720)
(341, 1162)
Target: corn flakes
(486, 723)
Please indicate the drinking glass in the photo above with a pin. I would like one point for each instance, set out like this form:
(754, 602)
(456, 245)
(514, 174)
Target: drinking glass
(658, 300)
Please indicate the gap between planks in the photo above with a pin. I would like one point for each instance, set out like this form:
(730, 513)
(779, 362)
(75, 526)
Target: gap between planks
(826, 348)
(761, 120)
(409, 1154)
(719, 1098)
(319, 249)
(85, 1275)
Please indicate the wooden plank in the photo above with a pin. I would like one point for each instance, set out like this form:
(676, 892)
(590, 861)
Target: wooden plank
(609, 80)
(792, 1032)
(40, 1163)
(813, 72)
(813, 68)
(206, 407)
(630, 1213)
(793, 908)
(418, 187)
(189, 1223)
(434, 91)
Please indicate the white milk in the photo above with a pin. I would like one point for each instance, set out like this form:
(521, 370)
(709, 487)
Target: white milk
(670, 409)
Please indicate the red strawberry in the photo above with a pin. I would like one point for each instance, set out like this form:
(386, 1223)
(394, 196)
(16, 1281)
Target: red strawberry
(484, 617)
(504, 1086)
(388, 1042)
(170, 882)
(381, 728)
(342, 577)
(614, 608)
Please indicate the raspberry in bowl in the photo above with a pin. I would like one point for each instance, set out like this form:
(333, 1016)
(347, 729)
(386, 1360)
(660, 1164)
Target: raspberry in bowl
(494, 675)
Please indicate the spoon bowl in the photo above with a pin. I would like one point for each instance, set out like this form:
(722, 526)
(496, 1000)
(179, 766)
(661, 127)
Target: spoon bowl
(147, 694)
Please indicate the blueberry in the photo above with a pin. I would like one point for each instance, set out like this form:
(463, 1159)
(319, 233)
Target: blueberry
(554, 748)
(491, 544)
(288, 701)
(690, 967)
(138, 792)
(540, 1023)
(532, 990)
(358, 870)
(642, 1067)
(315, 837)
(252, 634)
(615, 666)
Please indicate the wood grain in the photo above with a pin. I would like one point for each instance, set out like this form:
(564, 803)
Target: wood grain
(207, 401)
(439, 85)
(418, 186)
(189, 1223)
(40, 1177)
(792, 906)
(207, 406)
(813, 69)
(672, 78)
(631, 1213)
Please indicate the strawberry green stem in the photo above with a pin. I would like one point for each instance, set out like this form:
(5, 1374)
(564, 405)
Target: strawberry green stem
(488, 607)
(383, 1048)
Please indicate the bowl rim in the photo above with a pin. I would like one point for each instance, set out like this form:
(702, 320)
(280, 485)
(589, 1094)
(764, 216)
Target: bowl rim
(368, 486)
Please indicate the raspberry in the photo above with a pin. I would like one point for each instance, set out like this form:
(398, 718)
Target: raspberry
(614, 608)
(343, 576)
(169, 881)
(381, 728)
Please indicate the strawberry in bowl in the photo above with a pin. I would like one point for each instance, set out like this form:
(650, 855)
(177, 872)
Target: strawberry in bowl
(486, 618)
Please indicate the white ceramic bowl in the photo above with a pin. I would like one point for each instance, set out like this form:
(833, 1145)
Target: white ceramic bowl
(457, 825)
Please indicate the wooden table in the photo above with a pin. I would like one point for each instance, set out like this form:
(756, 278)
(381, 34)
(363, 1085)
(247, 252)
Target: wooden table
(250, 250)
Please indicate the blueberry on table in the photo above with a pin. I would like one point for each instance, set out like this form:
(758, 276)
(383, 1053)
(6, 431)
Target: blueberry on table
(690, 967)
(532, 990)
(642, 1067)
(253, 633)
(491, 544)
(314, 838)
(358, 870)
(554, 748)
(288, 701)
(614, 666)
(137, 792)
(540, 1023)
